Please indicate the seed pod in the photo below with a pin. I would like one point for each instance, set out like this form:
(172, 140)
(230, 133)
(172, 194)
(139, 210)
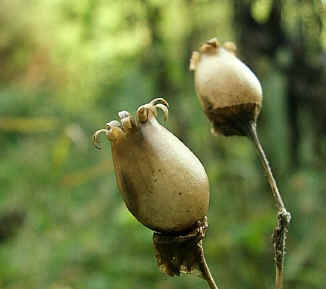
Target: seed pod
(162, 182)
(228, 91)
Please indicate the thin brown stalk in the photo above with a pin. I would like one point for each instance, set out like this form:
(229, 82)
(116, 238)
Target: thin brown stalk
(205, 269)
(283, 216)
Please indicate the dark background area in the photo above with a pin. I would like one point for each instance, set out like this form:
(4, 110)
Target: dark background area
(68, 67)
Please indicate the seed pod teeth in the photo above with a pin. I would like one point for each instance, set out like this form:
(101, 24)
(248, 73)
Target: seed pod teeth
(112, 131)
(149, 110)
(195, 58)
(115, 133)
(230, 46)
(164, 109)
(211, 46)
(112, 123)
(95, 137)
(123, 114)
(159, 100)
(127, 121)
(142, 113)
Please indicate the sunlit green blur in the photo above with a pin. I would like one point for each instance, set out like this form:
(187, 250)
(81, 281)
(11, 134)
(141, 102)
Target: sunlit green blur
(68, 67)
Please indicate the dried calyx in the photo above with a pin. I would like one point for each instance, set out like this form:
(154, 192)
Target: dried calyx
(228, 91)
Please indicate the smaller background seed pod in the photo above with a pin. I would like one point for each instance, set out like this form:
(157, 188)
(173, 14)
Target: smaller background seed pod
(228, 91)
(231, 96)
(162, 182)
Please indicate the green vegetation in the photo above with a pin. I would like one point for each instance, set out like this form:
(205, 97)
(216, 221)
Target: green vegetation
(67, 67)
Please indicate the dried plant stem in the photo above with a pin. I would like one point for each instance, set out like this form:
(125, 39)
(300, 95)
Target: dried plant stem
(205, 270)
(283, 216)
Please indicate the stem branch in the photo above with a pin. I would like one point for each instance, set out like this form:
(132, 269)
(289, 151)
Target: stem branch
(283, 216)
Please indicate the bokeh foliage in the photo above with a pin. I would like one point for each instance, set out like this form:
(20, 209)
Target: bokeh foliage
(68, 67)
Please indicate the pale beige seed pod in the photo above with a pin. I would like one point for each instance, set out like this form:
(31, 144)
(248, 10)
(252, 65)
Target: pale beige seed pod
(231, 96)
(162, 182)
(228, 91)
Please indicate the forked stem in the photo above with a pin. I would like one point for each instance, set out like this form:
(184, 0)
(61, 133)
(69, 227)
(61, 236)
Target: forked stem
(283, 216)
(205, 269)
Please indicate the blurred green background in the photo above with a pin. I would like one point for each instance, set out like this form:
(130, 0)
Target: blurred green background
(68, 67)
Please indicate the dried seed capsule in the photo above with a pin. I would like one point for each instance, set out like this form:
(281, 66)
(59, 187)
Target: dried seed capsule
(229, 92)
(231, 96)
(162, 182)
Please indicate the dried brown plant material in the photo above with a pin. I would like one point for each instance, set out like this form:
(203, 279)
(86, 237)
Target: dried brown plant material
(162, 182)
(183, 253)
(177, 254)
(228, 91)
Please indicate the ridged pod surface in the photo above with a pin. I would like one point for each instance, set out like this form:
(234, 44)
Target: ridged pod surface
(228, 91)
(162, 182)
